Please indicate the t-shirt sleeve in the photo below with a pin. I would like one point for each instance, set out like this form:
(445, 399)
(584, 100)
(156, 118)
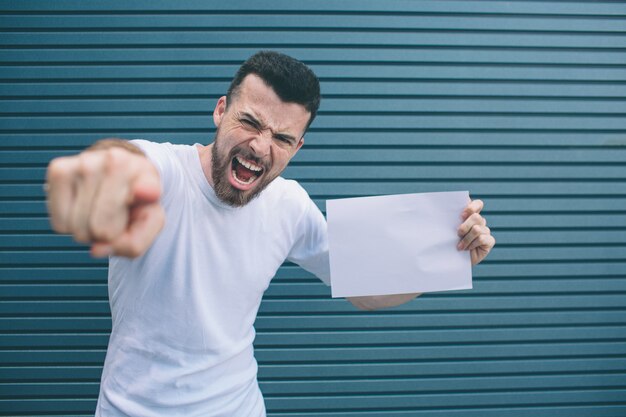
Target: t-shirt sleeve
(310, 250)
(164, 159)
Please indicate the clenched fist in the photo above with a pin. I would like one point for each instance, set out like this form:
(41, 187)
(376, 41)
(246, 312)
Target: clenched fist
(107, 196)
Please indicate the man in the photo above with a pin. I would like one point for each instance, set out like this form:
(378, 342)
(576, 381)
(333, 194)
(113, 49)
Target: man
(196, 233)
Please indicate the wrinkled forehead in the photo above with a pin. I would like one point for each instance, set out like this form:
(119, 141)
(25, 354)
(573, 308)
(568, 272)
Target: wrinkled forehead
(259, 100)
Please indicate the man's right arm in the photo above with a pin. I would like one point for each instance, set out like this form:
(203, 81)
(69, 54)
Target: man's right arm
(108, 197)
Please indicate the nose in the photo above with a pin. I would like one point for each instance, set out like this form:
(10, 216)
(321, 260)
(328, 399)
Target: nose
(261, 144)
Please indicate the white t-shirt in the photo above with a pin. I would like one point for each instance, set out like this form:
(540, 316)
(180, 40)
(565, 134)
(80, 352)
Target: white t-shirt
(183, 313)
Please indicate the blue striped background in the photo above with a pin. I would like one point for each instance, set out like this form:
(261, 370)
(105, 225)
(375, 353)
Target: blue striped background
(521, 102)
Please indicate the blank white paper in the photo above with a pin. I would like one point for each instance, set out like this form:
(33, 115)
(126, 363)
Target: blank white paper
(397, 244)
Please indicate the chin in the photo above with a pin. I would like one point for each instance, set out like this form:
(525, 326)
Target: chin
(234, 196)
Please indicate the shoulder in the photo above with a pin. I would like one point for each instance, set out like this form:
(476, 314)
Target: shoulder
(149, 146)
(170, 161)
(157, 149)
(164, 154)
(158, 153)
(289, 192)
(291, 200)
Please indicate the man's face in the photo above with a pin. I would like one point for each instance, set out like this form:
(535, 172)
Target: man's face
(257, 135)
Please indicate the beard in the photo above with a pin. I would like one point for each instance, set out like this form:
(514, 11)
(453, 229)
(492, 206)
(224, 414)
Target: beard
(221, 164)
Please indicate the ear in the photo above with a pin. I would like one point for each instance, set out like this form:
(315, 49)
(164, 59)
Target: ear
(300, 143)
(219, 111)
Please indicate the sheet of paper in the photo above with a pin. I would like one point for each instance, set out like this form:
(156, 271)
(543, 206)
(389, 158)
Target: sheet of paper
(397, 244)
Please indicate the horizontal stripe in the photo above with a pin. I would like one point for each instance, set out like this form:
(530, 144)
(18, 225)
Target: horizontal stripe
(365, 339)
(331, 354)
(346, 5)
(603, 410)
(403, 172)
(445, 402)
(327, 72)
(392, 37)
(526, 366)
(544, 411)
(400, 20)
(378, 386)
(347, 87)
(331, 106)
(317, 54)
(97, 272)
(352, 321)
(370, 121)
(319, 403)
(355, 154)
(455, 302)
(85, 292)
(49, 391)
(27, 325)
(505, 140)
(528, 205)
(483, 190)
(537, 238)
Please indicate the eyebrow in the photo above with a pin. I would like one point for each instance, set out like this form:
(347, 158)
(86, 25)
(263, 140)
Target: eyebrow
(261, 125)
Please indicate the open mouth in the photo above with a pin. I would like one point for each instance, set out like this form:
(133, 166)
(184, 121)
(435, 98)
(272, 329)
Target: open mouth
(245, 172)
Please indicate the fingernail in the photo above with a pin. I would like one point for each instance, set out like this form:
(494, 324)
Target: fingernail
(459, 246)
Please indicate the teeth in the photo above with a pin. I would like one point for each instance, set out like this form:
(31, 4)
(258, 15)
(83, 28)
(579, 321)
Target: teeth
(249, 165)
(250, 181)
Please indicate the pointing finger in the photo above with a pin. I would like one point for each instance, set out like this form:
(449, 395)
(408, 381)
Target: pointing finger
(109, 216)
(146, 189)
(145, 223)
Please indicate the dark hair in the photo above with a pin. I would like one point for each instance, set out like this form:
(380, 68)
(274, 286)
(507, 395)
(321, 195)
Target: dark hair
(291, 79)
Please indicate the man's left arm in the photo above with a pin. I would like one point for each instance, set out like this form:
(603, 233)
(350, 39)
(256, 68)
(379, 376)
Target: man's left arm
(474, 236)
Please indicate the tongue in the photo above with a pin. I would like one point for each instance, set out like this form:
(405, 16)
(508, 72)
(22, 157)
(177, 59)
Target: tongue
(243, 173)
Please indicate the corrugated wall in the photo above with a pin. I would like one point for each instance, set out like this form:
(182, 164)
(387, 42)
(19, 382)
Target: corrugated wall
(520, 102)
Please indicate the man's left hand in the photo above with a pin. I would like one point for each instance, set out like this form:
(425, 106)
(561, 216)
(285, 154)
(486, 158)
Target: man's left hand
(474, 233)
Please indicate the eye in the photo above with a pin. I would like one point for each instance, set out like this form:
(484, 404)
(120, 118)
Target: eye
(283, 139)
(248, 123)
